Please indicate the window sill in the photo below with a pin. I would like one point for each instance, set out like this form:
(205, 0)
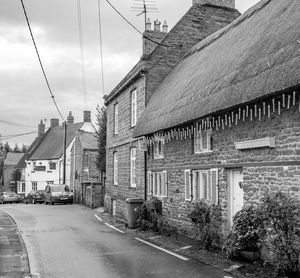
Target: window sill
(132, 187)
(204, 152)
(159, 157)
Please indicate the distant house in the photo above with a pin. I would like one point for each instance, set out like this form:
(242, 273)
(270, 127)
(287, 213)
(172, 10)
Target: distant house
(45, 164)
(85, 177)
(9, 167)
(21, 166)
(162, 50)
(226, 120)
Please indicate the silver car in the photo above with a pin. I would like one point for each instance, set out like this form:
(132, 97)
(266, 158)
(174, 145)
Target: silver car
(9, 197)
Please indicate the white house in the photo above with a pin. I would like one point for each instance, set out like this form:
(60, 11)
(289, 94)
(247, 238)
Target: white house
(45, 165)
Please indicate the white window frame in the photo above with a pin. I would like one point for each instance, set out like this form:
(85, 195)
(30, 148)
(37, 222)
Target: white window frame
(199, 137)
(201, 185)
(159, 153)
(116, 118)
(188, 185)
(158, 183)
(133, 167)
(34, 185)
(23, 187)
(115, 168)
(133, 107)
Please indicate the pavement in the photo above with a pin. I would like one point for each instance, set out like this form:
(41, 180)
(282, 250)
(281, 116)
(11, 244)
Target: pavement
(14, 261)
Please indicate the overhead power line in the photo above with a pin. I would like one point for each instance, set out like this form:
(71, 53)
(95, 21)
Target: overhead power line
(16, 124)
(81, 51)
(101, 48)
(146, 37)
(40, 61)
(6, 137)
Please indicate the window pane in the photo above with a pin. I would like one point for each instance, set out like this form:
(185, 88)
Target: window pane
(204, 140)
(214, 174)
(187, 185)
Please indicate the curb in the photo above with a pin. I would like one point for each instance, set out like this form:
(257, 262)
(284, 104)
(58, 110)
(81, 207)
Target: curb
(24, 257)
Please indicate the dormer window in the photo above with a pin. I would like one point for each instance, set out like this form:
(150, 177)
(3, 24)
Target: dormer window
(202, 141)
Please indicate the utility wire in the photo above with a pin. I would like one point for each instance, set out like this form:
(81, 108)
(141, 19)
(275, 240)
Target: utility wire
(101, 48)
(16, 135)
(39, 58)
(81, 51)
(11, 123)
(146, 37)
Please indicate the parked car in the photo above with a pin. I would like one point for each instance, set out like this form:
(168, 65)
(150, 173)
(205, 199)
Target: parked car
(58, 194)
(9, 197)
(35, 196)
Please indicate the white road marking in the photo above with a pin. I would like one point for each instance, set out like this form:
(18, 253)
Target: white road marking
(99, 218)
(162, 249)
(120, 231)
(183, 248)
(154, 237)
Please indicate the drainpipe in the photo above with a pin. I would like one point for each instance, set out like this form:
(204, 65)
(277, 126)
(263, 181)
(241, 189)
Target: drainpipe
(65, 153)
(145, 176)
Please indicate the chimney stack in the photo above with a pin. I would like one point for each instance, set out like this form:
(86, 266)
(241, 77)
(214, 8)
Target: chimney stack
(155, 35)
(222, 3)
(70, 118)
(41, 128)
(87, 116)
(54, 123)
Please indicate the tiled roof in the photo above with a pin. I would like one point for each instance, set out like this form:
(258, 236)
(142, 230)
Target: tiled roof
(255, 56)
(52, 144)
(12, 159)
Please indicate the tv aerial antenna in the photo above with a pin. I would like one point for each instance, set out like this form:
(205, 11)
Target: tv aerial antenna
(144, 7)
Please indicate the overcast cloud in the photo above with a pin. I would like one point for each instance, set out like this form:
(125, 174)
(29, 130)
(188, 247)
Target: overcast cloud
(24, 95)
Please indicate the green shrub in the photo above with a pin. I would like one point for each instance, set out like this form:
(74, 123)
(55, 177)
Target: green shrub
(245, 231)
(271, 228)
(207, 221)
(280, 235)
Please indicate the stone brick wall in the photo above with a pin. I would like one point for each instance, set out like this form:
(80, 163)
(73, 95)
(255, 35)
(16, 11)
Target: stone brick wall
(264, 169)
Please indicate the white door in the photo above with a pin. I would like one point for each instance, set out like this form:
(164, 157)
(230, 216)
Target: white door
(236, 192)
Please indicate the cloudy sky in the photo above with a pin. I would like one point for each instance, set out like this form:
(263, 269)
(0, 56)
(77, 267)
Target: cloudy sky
(25, 99)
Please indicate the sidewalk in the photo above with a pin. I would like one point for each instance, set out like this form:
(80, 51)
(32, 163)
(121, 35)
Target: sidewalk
(178, 244)
(13, 255)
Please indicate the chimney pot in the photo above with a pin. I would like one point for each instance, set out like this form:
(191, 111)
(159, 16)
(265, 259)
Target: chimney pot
(54, 123)
(87, 116)
(41, 128)
(148, 24)
(165, 27)
(70, 118)
(222, 3)
(157, 25)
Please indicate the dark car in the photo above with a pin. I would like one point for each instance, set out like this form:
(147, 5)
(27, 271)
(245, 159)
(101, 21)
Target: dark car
(9, 197)
(35, 196)
(58, 194)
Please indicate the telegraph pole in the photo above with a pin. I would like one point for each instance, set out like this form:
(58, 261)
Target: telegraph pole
(65, 153)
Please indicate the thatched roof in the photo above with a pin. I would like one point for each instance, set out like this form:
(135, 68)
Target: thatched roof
(255, 56)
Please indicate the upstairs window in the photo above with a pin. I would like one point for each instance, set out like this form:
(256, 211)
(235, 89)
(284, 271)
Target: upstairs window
(159, 149)
(133, 107)
(133, 167)
(201, 184)
(116, 118)
(52, 165)
(202, 141)
(115, 168)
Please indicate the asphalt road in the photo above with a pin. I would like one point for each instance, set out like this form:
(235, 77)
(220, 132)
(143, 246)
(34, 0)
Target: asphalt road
(69, 241)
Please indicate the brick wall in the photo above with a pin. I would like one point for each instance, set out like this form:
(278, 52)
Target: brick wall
(264, 169)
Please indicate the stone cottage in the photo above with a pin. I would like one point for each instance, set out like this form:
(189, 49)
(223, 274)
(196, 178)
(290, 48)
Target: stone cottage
(85, 177)
(227, 117)
(162, 50)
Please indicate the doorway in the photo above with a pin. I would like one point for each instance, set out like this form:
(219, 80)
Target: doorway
(236, 192)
